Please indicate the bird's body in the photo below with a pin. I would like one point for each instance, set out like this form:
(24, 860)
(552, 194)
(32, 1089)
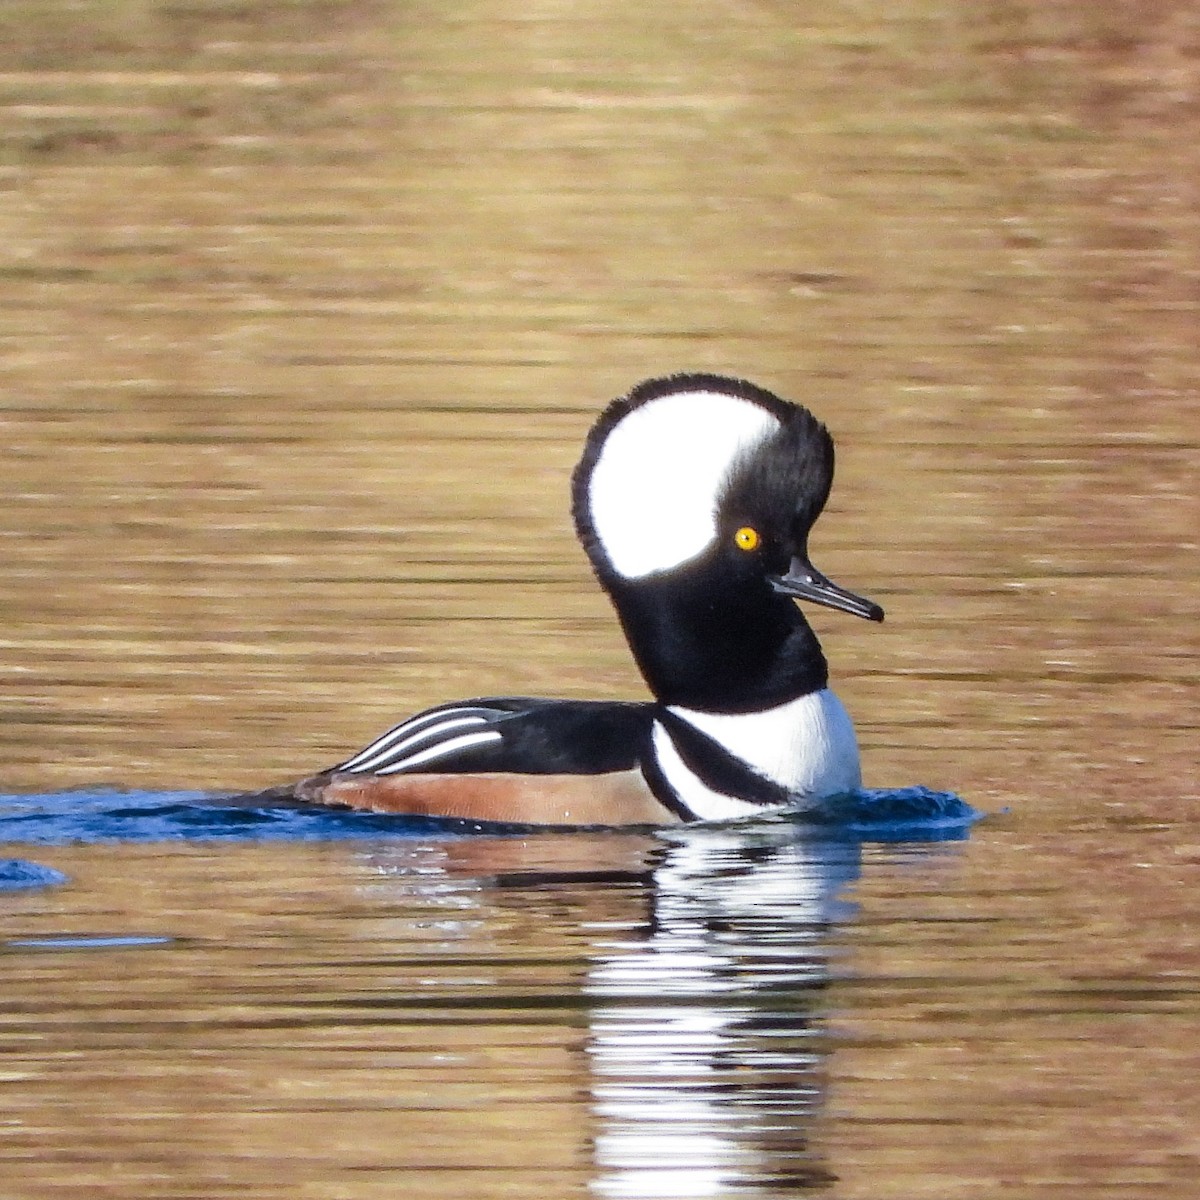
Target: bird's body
(693, 500)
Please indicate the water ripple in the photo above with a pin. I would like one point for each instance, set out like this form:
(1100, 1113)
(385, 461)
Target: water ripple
(59, 818)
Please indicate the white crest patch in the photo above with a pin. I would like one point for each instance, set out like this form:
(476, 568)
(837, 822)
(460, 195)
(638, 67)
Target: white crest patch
(653, 491)
(806, 745)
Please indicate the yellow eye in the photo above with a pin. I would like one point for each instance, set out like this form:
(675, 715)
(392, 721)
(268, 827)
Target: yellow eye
(747, 538)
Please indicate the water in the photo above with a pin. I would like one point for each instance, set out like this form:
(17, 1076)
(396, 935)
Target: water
(305, 310)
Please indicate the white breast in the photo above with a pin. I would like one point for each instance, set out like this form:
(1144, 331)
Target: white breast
(807, 745)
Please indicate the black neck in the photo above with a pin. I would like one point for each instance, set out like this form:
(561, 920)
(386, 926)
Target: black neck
(730, 648)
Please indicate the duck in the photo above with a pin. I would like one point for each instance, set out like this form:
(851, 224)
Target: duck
(693, 500)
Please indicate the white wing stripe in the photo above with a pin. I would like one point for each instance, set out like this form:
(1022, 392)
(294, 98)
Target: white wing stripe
(399, 750)
(396, 740)
(393, 735)
(465, 741)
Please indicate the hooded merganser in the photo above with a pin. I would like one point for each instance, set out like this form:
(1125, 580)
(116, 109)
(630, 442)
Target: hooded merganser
(693, 500)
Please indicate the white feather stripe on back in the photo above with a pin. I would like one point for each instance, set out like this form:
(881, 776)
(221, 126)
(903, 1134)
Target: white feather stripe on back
(457, 745)
(397, 733)
(398, 750)
(417, 728)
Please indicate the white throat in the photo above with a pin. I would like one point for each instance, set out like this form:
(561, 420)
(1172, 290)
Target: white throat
(806, 745)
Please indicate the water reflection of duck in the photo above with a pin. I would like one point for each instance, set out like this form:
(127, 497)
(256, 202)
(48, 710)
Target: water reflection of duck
(706, 1045)
(684, 972)
(694, 500)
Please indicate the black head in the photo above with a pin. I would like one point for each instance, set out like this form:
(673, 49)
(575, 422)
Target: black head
(694, 500)
(704, 471)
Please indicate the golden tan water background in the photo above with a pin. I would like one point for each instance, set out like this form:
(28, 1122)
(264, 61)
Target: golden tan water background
(304, 311)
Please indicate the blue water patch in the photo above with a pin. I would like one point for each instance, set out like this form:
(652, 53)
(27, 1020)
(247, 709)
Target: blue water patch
(61, 818)
(912, 814)
(19, 874)
(89, 941)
